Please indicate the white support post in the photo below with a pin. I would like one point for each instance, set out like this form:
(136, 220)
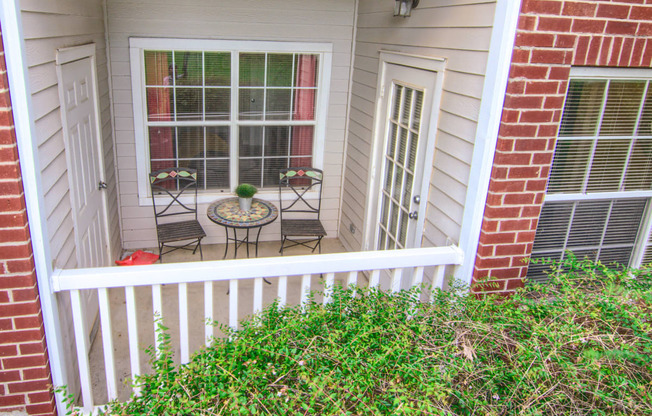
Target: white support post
(184, 334)
(305, 290)
(397, 278)
(258, 295)
(81, 342)
(417, 276)
(132, 330)
(374, 280)
(233, 303)
(157, 310)
(282, 291)
(328, 288)
(438, 278)
(352, 281)
(107, 344)
(208, 312)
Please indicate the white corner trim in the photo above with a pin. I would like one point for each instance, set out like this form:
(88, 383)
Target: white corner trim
(491, 108)
(75, 53)
(21, 103)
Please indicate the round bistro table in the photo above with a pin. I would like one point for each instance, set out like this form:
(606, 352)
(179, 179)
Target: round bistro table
(227, 213)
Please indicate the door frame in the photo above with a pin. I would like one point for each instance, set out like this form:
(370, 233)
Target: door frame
(427, 63)
(65, 56)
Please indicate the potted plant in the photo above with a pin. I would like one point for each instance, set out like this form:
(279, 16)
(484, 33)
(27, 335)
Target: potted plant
(245, 194)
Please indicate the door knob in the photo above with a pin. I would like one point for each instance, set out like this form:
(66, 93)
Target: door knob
(413, 215)
(416, 199)
(101, 185)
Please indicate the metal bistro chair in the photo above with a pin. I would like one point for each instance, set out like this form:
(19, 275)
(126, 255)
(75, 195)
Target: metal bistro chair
(176, 183)
(307, 227)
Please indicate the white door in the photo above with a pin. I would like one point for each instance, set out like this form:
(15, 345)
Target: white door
(403, 169)
(85, 167)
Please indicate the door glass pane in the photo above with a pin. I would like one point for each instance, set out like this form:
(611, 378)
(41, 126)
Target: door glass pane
(396, 106)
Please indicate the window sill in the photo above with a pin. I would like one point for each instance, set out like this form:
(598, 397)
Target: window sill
(207, 198)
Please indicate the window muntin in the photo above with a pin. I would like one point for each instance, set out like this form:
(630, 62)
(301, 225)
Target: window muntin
(599, 186)
(236, 116)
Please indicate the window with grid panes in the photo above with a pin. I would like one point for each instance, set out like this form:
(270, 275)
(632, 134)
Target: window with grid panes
(597, 201)
(235, 111)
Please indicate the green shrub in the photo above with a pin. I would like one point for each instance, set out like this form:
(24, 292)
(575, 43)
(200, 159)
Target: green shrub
(245, 190)
(579, 345)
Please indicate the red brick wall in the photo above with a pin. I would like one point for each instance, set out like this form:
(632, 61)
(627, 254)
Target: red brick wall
(25, 383)
(551, 36)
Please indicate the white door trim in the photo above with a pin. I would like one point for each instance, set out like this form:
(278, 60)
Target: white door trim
(427, 63)
(64, 56)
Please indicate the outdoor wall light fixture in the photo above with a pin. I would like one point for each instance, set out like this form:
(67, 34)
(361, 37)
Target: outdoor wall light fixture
(404, 7)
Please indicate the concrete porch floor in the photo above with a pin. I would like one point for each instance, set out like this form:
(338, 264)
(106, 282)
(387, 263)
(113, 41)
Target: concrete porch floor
(196, 310)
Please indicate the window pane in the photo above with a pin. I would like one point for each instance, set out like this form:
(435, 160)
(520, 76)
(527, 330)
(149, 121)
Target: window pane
(302, 141)
(190, 141)
(639, 171)
(279, 70)
(217, 142)
(277, 140)
(305, 82)
(587, 224)
(217, 174)
(278, 104)
(217, 68)
(188, 68)
(622, 108)
(624, 221)
(553, 226)
(569, 165)
(645, 125)
(251, 141)
(252, 69)
(582, 108)
(218, 105)
(158, 68)
(159, 104)
(608, 164)
(251, 104)
(272, 167)
(189, 104)
(250, 171)
(162, 143)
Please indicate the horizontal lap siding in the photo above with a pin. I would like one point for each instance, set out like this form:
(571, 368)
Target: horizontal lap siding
(456, 30)
(281, 20)
(49, 25)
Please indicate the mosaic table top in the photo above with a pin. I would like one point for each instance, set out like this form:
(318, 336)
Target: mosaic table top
(227, 212)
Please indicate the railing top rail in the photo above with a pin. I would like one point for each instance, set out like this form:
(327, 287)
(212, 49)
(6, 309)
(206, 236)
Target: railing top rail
(218, 270)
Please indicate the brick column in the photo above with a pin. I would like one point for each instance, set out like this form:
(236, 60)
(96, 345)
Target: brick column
(25, 383)
(551, 36)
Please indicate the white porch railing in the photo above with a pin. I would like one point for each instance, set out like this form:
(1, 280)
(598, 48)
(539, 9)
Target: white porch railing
(405, 268)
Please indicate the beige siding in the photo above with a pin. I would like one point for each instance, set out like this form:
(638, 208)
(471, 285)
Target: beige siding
(49, 25)
(457, 30)
(284, 20)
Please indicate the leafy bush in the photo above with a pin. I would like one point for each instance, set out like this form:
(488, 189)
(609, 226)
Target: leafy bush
(579, 345)
(245, 190)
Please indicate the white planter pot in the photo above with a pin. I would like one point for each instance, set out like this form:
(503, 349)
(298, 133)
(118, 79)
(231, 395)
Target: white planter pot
(245, 203)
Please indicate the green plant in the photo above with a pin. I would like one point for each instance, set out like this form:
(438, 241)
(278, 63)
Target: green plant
(245, 190)
(578, 345)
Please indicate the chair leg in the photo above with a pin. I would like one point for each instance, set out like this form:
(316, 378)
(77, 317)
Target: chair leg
(201, 254)
(282, 245)
(160, 253)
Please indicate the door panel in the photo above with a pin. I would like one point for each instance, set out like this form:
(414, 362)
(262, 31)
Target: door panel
(407, 98)
(85, 163)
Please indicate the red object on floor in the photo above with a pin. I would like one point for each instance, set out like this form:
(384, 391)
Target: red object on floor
(138, 258)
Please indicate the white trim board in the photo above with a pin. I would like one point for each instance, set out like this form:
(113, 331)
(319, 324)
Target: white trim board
(21, 103)
(491, 107)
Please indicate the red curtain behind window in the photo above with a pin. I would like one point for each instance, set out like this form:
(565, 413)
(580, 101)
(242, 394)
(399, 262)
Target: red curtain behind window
(161, 144)
(304, 109)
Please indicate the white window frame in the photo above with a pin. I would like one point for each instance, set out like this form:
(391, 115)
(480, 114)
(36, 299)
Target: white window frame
(645, 227)
(137, 63)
